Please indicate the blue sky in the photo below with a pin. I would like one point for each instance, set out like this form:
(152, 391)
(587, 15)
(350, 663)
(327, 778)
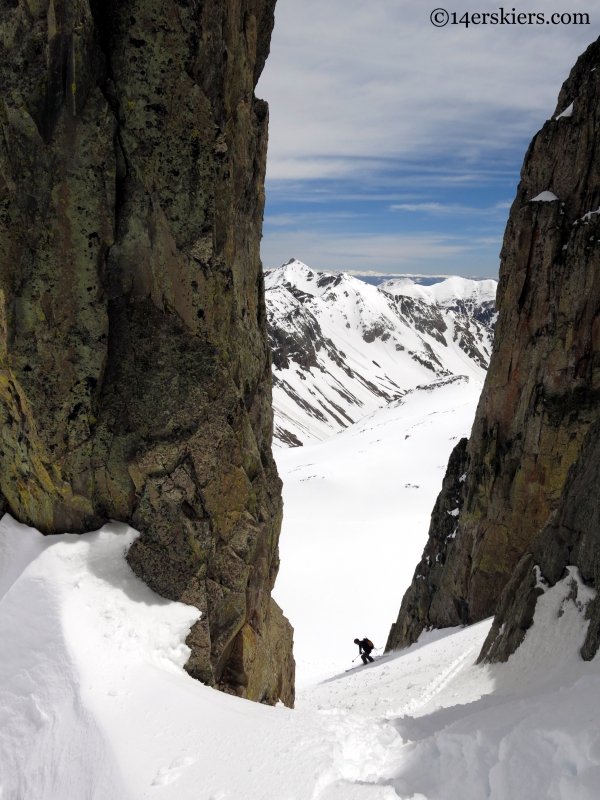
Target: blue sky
(395, 147)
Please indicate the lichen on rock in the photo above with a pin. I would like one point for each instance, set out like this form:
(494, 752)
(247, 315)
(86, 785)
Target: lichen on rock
(135, 371)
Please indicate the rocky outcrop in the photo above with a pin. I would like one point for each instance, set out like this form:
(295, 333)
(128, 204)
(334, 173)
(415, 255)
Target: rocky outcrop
(542, 391)
(135, 372)
(571, 537)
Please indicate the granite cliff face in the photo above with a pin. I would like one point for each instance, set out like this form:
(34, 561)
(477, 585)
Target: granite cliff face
(531, 461)
(135, 372)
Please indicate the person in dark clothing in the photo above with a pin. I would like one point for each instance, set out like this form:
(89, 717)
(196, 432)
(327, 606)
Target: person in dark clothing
(364, 648)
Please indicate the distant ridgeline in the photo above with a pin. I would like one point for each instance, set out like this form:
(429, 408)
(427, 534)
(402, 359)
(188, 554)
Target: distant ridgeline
(422, 280)
(519, 501)
(343, 348)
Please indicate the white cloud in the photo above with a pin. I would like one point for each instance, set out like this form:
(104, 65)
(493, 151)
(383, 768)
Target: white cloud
(430, 253)
(313, 217)
(350, 81)
(371, 273)
(450, 209)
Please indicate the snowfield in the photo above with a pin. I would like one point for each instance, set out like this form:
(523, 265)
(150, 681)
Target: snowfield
(94, 702)
(356, 517)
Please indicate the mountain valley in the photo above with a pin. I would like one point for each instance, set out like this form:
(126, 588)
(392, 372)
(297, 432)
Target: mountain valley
(343, 348)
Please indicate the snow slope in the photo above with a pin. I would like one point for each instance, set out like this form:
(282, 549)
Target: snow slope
(474, 298)
(524, 730)
(94, 702)
(343, 348)
(356, 517)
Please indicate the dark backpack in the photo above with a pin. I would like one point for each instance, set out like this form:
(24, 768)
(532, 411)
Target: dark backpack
(370, 643)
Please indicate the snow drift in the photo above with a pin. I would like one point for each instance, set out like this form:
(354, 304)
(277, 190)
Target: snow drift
(94, 702)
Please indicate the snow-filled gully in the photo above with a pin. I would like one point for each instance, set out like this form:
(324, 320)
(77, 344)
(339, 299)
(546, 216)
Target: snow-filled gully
(94, 702)
(362, 499)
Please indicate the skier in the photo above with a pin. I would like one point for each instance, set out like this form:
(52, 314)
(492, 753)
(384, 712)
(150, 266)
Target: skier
(364, 648)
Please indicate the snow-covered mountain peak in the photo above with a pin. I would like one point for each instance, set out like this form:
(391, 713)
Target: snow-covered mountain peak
(464, 295)
(343, 348)
(300, 279)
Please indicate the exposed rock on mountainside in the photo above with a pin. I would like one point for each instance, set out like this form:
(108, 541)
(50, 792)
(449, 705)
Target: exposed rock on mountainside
(541, 395)
(471, 298)
(135, 378)
(343, 348)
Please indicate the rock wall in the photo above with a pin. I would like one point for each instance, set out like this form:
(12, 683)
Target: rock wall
(135, 371)
(571, 537)
(542, 391)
